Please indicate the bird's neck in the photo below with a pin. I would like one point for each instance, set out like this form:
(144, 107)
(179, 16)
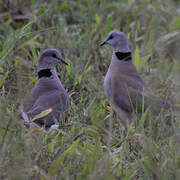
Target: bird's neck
(46, 72)
(122, 56)
(123, 66)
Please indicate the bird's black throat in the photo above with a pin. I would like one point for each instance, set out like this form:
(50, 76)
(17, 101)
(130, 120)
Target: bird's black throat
(123, 56)
(44, 73)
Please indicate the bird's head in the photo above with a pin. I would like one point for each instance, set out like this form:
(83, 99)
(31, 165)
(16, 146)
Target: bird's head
(50, 57)
(118, 41)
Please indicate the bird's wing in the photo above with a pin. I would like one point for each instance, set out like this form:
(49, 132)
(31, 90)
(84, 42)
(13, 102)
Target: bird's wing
(131, 94)
(32, 97)
(57, 100)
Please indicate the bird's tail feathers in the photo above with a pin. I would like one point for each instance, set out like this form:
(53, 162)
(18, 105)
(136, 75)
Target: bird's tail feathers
(24, 114)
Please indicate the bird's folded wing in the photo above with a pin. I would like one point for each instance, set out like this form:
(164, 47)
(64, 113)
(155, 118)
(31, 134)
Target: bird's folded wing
(56, 100)
(133, 95)
(137, 101)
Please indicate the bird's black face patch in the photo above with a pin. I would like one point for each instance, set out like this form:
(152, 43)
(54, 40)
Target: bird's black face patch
(123, 56)
(44, 73)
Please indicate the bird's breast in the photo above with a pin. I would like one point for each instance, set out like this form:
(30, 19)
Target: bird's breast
(45, 85)
(107, 84)
(50, 83)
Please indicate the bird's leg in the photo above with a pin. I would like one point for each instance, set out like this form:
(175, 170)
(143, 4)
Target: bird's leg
(124, 130)
(55, 120)
(110, 127)
(124, 120)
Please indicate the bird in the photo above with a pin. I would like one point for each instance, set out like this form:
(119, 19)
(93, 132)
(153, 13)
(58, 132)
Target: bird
(48, 93)
(126, 91)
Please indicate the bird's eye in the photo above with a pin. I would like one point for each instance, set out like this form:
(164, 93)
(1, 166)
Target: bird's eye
(54, 55)
(110, 37)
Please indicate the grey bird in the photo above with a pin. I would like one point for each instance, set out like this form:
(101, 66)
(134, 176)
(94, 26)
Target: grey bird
(126, 91)
(47, 93)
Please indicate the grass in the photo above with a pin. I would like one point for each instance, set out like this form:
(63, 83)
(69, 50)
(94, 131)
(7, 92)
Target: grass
(91, 147)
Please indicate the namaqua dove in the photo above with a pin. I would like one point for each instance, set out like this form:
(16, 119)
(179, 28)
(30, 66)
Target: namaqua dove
(48, 92)
(126, 91)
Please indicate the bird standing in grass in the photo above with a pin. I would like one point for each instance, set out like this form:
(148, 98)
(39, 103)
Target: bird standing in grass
(48, 94)
(126, 91)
